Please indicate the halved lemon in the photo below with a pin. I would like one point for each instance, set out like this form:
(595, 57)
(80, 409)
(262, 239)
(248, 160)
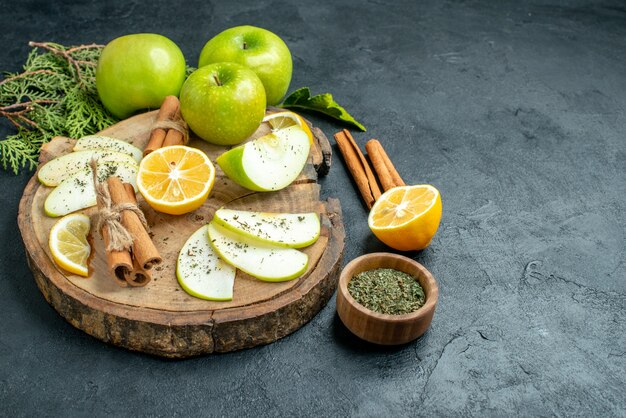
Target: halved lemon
(406, 218)
(68, 243)
(282, 120)
(176, 179)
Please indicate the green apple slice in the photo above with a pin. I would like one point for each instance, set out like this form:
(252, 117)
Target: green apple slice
(108, 143)
(77, 192)
(292, 230)
(200, 272)
(269, 163)
(266, 262)
(55, 171)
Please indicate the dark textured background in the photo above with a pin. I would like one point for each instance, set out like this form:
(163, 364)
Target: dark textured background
(514, 110)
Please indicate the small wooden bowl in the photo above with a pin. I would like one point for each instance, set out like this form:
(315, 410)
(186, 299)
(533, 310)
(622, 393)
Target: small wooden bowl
(380, 328)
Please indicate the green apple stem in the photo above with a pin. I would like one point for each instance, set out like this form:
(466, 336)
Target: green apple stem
(217, 80)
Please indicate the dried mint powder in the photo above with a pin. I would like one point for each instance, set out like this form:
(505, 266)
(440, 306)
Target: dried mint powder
(387, 291)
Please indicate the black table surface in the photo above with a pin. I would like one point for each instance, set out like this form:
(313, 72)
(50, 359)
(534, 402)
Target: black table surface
(514, 110)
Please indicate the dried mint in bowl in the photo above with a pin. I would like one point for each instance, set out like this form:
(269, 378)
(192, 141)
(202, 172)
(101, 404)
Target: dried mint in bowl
(387, 291)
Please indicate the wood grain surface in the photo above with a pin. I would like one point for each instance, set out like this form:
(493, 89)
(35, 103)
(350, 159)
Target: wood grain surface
(161, 318)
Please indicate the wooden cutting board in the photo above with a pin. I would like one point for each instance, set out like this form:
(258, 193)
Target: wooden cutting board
(161, 318)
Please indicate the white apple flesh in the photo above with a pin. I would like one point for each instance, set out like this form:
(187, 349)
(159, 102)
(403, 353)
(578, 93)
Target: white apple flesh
(264, 261)
(77, 192)
(55, 171)
(200, 271)
(269, 163)
(108, 143)
(292, 230)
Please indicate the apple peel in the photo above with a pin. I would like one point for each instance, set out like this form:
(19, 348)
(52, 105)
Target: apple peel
(77, 191)
(55, 171)
(290, 230)
(269, 163)
(264, 261)
(201, 272)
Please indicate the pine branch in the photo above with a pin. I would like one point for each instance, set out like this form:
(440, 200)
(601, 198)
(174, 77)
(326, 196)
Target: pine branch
(26, 74)
(67, 54)
(55, 94)
(16, 153)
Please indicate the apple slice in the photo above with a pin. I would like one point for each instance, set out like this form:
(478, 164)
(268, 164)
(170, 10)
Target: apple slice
(292, 230)
(200, 272)
(264, 261)
(55, 171)
(77, 192)
(108, 143)
(269, 163)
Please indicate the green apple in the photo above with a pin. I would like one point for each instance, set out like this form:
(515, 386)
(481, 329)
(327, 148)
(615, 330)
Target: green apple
(108, 143)
(264, 261)
(55, 171)
(269, 163)
(77, 192)
(223, 103)
(137, 72)
(292, 230)
(200, 272)
(258, 49)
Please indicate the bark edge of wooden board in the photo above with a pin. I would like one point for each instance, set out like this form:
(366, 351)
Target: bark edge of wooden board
(180, 333)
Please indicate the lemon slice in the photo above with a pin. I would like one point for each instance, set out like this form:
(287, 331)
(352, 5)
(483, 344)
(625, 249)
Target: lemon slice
(176, 179)
(282, 120)
(406, 218)
(68, 243)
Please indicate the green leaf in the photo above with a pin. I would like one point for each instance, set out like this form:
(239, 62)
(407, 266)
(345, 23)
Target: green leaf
(323, 103)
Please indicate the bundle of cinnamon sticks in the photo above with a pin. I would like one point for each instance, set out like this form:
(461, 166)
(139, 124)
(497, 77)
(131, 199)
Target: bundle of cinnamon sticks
(127, 266)
(169, 127)
(361, 171)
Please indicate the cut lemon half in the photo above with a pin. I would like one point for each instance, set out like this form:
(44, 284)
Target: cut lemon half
(406, 218)
(282, 120)
(68, 243)
(176, 179)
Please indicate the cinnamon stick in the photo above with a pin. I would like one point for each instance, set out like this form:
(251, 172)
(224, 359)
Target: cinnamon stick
(384, 168)
(119, 260)
(130, 191)
(173, 137)
(136, 276)
(143, 248)
(119, 263)
(168, 111)
(359, 167)
(368, 170)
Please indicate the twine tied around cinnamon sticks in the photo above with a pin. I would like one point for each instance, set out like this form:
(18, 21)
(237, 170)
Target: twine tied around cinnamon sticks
(169, 127)
(129, 249)
(110, 215)
(361, 171)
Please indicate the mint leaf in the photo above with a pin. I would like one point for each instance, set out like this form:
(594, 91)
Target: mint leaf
(323, 103)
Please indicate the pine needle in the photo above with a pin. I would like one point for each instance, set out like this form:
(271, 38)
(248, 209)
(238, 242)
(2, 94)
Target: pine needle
(55, 94)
